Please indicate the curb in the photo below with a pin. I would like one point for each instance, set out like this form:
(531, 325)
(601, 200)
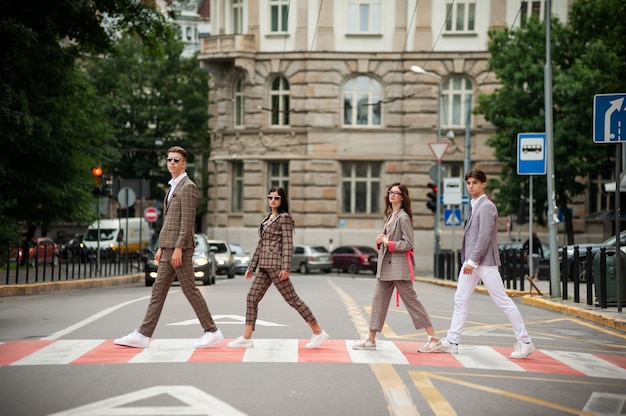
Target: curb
(48, 287)
(539, 301)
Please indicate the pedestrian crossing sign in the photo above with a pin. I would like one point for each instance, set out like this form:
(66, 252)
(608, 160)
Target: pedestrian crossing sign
(452, 217)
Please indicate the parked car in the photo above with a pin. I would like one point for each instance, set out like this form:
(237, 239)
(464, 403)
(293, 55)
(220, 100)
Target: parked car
(241, 258)
(582, 255)
(42, 249)
(224, 258)
(306, 259)
(353, 259)
(204, 263)
(71, 247)
(518, 246)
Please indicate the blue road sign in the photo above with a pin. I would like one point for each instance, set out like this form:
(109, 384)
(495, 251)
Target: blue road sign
(609, 118)
(531, 154)
(452, 217)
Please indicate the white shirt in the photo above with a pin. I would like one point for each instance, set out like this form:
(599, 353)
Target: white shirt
(172, 183)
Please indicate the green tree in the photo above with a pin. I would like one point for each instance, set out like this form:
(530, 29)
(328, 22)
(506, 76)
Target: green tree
(54, 128)
(155, 99)
(581, 62)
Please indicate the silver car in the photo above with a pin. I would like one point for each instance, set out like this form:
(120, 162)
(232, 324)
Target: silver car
(309, 258)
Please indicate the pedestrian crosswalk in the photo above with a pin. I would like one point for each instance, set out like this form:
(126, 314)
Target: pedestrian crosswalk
(104, 351)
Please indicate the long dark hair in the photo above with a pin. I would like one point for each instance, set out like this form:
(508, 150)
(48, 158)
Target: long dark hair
(284, 203)
(406, 200)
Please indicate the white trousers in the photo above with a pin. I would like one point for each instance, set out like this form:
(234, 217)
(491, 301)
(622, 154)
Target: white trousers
(493, 283)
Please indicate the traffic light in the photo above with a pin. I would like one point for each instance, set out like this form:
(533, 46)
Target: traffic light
(431, 204)
(97, 175)
(523, 214)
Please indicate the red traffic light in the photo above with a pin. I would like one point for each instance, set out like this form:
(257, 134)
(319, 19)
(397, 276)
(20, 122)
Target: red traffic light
(97, 171)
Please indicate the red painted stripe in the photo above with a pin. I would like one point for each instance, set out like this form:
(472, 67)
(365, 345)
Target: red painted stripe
(13, 351)
(219, 353)
(437, 359)
(332, 351)
(108, 353)
(619, 361)
(539, 362)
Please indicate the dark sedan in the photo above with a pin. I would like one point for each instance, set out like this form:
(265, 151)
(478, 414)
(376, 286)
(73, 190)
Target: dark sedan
(204, 265)
(353, 259)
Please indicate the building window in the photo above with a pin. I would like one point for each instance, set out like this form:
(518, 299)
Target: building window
(280, 102)
(535, 8)
(239, 104)
(461, 16)
(237, 17)
(279, 12)
(362, 102)
(456, 100)
(279, 175)
(360, 188)
(237, 187)
(364, 16)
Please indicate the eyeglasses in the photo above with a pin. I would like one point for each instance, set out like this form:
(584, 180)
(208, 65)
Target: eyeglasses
(394, 193)
(173, 159)
(275, 198)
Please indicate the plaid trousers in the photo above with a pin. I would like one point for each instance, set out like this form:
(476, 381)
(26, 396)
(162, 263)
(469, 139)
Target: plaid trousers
(162, 284)
(262, 281)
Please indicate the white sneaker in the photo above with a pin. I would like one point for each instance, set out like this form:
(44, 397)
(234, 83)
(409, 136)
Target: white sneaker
(241, 342)
(432, 345)
(317, 340)
(134, 339)
(523, 350)
(209, 339)
(364, 345)
(447, 346)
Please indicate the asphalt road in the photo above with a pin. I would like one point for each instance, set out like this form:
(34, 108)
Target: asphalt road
(57, 357)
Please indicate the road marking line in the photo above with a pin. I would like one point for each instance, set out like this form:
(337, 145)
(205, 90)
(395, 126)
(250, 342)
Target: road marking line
(93, 318)
(399, 400)
(436, 400)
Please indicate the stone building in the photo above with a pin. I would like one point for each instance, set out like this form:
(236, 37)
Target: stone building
(318, 97)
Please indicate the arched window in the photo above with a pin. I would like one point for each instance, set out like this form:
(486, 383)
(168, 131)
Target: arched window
(456, 101)
(239, 104)
(361, 102)
(279, 96)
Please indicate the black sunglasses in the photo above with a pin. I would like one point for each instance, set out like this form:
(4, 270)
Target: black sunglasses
(173, 159)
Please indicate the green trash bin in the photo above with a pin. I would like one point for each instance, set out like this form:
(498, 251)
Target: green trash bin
(611, 276)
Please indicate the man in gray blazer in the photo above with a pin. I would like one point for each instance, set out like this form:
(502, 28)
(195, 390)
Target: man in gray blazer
(174, 256)
(481, 259)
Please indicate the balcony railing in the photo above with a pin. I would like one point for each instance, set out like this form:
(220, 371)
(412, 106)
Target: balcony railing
(227, 44)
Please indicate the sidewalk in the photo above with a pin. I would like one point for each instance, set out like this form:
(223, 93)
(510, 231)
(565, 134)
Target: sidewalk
(608, 317)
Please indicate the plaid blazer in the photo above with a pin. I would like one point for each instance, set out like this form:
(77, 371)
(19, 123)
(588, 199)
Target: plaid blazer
(480, 241)
(179, 216)
(392, 260)
(275, 246)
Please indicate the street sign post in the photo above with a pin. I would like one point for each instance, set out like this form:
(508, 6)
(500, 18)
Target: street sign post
(452, 217)
(531, 154)
(452, 191)
(609, 118)
(151, 214)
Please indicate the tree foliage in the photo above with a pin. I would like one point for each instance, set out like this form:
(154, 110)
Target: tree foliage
(155, 99)
(54, 127)
(586, 60)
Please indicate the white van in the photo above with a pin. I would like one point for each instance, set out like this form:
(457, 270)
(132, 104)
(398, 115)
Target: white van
(113, 234)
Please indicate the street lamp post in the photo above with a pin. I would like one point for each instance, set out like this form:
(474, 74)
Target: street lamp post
(419, 70)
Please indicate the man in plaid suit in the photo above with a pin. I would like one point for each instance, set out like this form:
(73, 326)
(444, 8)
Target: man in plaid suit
(174, 255)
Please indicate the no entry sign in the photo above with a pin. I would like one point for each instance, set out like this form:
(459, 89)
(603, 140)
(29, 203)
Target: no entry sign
(151, 214)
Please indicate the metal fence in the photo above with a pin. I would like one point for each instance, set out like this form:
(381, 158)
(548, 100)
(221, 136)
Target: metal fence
(599, 276)
(46, 266)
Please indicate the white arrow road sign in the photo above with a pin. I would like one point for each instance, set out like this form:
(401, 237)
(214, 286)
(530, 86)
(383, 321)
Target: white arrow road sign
(235, 320)
(194, 402)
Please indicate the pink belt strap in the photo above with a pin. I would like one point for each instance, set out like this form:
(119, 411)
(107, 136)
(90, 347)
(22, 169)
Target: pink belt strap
(408, 258)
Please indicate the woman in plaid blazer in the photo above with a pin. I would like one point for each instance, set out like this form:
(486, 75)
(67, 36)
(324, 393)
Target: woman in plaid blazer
(394, 271)
(272, 257)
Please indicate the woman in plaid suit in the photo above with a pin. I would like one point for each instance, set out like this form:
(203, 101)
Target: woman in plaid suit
(272, 257)
(394, 272)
